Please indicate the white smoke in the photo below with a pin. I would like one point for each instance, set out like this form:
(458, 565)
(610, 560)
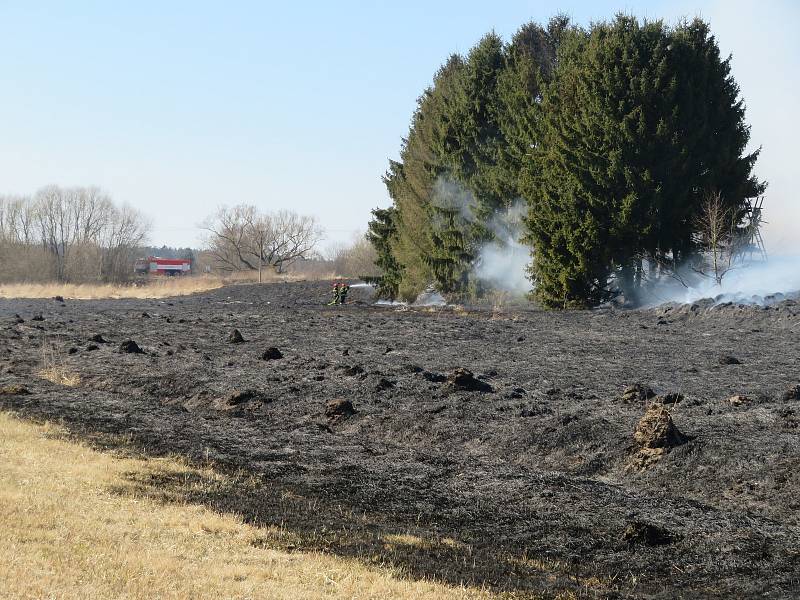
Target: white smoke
(759, 282)
(451, 195)
(751, 283)
(430, 297)
(502, 263)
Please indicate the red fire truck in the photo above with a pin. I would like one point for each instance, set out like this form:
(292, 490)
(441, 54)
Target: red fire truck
(155, 265)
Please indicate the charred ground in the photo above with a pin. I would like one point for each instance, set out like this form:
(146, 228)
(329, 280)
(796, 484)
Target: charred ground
(350, 427)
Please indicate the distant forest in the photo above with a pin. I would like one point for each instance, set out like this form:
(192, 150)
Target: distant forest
(70, 234)
(625, 143)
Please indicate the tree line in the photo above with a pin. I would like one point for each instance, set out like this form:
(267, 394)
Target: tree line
(79, 234)
(74, 234)
(243, 238)
(615, 136)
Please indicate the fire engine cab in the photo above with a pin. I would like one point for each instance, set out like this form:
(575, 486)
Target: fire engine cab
(155, 265)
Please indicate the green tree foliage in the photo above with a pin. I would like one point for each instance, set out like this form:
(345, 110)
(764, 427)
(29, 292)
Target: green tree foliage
(455, 142)
(382, 234)
(530, 61)
(639, 122)
(613, 136)
(452, 236)
(412, 185)
(411, 242)
(474, 139)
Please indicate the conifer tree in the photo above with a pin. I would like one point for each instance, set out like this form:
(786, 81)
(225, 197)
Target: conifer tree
(530, 61)
(471, 146)
(411, 183)
(638, 123)
(382, 234)
(451, 256)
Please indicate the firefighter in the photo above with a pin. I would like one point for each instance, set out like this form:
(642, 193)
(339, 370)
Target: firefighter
(343, 289)
(337, 294)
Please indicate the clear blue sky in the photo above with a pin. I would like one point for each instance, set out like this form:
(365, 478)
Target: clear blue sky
(180, 107)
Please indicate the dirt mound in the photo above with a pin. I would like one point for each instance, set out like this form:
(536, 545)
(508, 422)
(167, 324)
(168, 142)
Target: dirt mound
(130, 347)
(655, 436)
(98, 339)
(465, 380)
(739, 400)
(235, 337)
(793, 393)
(647, 534)
(14, 389)
(433, 377)
(236, 402)
(656, 429)
(384, 384)
(237, 397)
(338, 410)
(353, 371)
(729, 360)
(637, 393)
(669, 399)
(271, 354)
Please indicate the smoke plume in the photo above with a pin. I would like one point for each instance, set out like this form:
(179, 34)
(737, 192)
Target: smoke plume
(501, 263)
(751, 283)
(759, 282)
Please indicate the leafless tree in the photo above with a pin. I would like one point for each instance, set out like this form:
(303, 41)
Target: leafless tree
(356, 259)
(293, 236)
(56, 225)
(68, 234)
(227, 238)
(241, 238)
(93, 212)
(718, 237)
(16, 220)
(124, 233)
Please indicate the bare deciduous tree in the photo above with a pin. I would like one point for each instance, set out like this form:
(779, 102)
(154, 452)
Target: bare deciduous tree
(16, 220)
(718, 237)
(356, 259)
(68, 234)
(124, 233)
(243, 239)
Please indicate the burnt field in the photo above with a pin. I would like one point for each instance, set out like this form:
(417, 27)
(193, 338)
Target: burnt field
(528, 472)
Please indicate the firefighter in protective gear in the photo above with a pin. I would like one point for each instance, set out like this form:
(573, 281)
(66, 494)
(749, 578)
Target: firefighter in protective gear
(337, 294)
(343, 289)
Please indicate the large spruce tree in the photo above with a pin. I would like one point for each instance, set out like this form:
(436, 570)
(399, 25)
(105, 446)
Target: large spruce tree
(474, 139)
(382, 234)
(530, 61)
(412, 182)
(614, 136)
(638, 124)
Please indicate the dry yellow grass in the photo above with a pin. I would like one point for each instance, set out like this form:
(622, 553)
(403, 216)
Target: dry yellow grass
(163, 287)
(61, 376)
(157, 288)
(72, 525)
(54, 370)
